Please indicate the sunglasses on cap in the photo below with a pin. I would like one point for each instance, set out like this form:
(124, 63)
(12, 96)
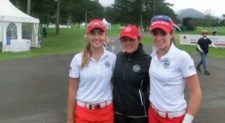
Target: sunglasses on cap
(161, 17)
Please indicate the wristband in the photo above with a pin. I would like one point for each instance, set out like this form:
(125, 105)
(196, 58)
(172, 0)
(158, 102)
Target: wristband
(188, 118)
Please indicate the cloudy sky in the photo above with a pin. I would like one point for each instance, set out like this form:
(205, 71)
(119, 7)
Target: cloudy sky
(217, 7)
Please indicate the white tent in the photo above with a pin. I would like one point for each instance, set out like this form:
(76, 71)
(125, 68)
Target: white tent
(16, 26)
(107, 24)
(82, 25)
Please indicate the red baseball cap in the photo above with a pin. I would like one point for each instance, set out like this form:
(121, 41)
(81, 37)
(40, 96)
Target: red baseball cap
(130, 31)
(162, 22)
(96, 23)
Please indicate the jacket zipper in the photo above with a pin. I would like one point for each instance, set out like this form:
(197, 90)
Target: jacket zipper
(125, 68)
(142, 103)
(142, 99)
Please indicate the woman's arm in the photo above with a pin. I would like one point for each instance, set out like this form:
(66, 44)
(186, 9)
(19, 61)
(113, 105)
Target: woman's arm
(195, 97)
(72, 90)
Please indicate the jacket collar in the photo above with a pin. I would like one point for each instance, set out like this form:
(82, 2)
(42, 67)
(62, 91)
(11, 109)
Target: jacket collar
(136, 53)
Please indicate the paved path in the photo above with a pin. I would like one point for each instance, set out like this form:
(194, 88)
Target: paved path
(34, 90)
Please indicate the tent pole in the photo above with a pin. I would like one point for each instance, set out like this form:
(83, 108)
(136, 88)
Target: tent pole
(2, 37)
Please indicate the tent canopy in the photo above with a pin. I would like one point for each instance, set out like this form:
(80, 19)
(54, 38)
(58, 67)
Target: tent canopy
(105, 22)
(9, 13)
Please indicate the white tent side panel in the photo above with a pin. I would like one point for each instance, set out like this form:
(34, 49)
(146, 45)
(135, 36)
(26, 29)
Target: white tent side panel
(35, 42)
(1, 31)
(4, 46)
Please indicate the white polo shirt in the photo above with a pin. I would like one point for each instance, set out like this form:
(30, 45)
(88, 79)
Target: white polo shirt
(167, 79)
(95, 79)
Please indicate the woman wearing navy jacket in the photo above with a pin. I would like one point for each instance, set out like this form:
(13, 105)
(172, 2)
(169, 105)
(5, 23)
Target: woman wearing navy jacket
(131, 79)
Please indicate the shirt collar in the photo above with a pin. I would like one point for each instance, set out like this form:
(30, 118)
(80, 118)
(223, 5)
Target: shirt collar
(204, 37)
(136, 53)
(169, 55)
(104, 55)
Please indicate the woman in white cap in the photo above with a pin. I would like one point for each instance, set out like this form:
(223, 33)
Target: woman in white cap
(170, 70)
(90, 94)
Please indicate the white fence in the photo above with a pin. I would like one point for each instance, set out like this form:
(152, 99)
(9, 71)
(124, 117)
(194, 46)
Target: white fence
(187, 39)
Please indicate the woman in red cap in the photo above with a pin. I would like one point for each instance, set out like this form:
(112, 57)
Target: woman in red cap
(170, 70)
(90, 92)
(131, 79)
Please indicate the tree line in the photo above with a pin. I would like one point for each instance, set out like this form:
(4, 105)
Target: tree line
(77, 11)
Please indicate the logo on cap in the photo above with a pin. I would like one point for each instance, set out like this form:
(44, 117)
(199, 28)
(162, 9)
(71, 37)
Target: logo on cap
(160, 22)
(96, 23)
(127, 29)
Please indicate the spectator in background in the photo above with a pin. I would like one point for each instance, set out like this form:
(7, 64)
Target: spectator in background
(44, 31)
(214, 33)
(203, 49)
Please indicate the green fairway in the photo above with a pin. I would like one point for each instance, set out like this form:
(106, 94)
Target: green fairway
(69, 40)
(72, 40)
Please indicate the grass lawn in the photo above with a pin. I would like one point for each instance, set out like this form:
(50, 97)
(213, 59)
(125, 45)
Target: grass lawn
(113, 32)
(71, 40)
(213, 52)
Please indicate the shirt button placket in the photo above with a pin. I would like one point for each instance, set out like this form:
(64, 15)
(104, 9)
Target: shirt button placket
(98, 69)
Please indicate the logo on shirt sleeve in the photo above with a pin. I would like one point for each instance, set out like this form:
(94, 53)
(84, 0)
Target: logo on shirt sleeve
(107, 64)
(166, 63)
(191, 67)
(136, 68)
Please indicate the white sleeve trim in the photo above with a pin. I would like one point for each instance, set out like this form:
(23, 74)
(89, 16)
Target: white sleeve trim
(187, 66)
(75, 66)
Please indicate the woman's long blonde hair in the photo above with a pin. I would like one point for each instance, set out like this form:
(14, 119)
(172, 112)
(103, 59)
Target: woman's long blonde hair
(86, 55)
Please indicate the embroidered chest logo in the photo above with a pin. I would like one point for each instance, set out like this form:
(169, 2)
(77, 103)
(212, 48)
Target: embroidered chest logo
(107, 64)
(166, 63)
(136, 68)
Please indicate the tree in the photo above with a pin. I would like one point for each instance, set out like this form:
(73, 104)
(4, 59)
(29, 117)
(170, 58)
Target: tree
(66, 11)
(93, 9)
(138, 12)
(28, 6)
(57, 17)
(20, 4)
